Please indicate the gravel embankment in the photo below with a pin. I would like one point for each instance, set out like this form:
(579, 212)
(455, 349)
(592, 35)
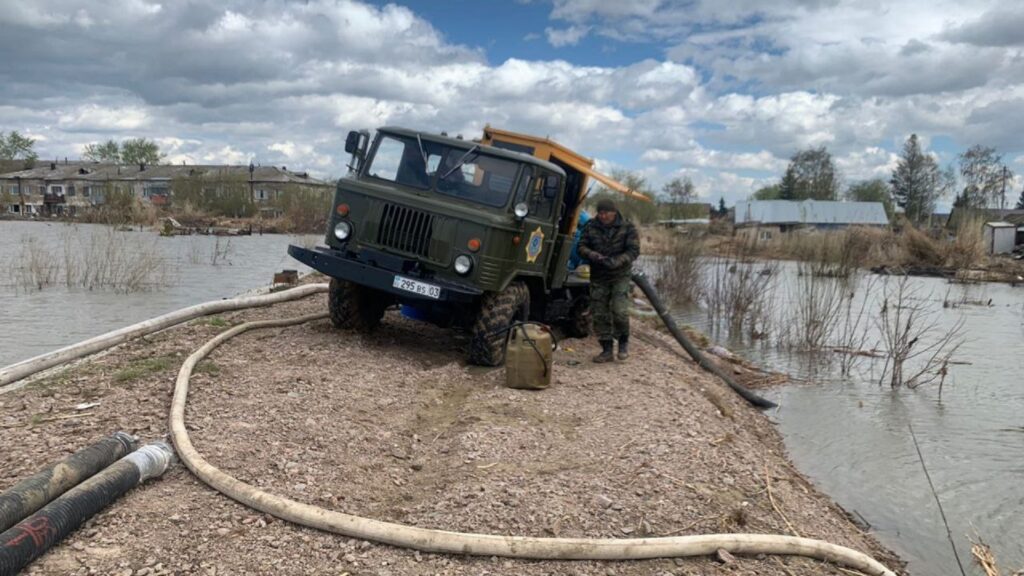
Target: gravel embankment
(395, 426)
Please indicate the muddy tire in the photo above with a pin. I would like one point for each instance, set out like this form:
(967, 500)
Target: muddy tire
(355, 307)
(497, 311)
(577, 325)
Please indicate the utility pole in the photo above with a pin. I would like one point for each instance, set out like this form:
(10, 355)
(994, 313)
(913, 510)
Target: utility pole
(1002, 198)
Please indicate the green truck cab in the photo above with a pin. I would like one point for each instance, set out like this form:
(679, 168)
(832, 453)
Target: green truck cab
(466, 234)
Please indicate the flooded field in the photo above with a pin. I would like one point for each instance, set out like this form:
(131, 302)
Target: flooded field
(851, 432)
(63, 283)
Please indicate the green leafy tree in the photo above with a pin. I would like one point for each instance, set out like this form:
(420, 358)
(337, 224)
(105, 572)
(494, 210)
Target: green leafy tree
(811, 174)
(917, 183)
(770, 192)
(109, 151)
(14, 146)
(872, 191)
(722, 210)
(140, 151)
(985, 177)
(1020, 201)
(788, 186)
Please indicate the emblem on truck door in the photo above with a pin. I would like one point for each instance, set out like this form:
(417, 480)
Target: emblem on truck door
(535, 245)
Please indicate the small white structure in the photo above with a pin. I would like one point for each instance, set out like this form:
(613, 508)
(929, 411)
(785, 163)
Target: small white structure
(999, 237)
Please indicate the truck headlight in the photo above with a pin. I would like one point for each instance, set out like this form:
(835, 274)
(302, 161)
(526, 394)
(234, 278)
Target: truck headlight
(342, 230)
(463, 264)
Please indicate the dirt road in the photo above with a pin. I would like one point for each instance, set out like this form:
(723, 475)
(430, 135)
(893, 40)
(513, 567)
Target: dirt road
(396, 426)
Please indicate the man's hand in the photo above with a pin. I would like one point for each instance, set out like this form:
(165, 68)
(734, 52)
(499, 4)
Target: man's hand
(599, 258)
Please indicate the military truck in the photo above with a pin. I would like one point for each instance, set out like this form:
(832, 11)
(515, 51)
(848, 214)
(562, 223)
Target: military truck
(468, 234)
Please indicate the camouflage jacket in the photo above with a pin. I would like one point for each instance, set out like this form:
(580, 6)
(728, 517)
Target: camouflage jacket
(618, 242)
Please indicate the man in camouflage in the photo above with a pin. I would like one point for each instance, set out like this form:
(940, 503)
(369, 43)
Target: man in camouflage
(611, 244)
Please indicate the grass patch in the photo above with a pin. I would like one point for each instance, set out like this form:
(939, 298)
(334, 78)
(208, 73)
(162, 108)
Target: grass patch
(207, 367)
(141, 368)
(217, 322)
(49, 385)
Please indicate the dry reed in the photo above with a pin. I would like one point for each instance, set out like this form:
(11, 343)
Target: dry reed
(679, 274)
(105, 259)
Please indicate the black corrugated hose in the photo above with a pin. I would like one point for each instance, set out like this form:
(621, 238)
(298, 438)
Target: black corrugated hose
(36, 491)
(33, 536)
(645, 285)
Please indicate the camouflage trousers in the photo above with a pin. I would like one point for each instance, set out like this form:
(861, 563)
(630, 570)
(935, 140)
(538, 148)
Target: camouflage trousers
(609, 306)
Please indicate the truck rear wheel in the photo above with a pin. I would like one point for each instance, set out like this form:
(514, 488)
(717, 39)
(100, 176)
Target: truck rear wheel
(577, 325)
(352, 306)
(497, 312)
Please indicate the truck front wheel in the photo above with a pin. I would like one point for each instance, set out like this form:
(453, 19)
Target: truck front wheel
(352, 306)
(497, 312)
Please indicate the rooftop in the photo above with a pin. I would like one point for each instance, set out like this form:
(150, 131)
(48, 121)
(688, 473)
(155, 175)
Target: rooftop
(810, 212)
(94, 171)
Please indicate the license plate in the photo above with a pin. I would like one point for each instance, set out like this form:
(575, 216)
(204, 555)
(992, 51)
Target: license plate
(416, 287)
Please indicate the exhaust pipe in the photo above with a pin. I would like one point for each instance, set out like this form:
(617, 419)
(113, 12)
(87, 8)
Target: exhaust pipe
(36, 491)
(32, 537)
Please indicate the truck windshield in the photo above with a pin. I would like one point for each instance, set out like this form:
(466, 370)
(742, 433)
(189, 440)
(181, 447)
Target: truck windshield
(451, 171)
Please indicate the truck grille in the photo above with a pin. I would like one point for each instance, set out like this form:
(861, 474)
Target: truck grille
(405, 229)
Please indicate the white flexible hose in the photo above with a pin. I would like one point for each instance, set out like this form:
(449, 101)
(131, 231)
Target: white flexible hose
(25, 368)
(430, 540)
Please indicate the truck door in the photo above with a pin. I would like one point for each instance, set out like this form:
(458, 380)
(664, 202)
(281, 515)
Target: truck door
(541, 195)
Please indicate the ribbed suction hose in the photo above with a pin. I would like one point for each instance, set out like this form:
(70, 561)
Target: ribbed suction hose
(33, 536)
(37, 490)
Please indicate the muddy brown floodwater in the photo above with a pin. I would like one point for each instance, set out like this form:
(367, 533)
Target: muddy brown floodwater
(851, 435)
(190, 270)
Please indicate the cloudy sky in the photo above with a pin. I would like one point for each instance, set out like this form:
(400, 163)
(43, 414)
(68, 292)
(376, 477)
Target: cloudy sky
(723, 92)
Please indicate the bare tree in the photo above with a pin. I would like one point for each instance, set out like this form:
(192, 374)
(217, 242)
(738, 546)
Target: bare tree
(917, 349)
(679, 191)
(985, 177)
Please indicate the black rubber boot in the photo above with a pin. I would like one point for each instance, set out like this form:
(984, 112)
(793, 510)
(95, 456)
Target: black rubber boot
(607, 353)
(624, 347)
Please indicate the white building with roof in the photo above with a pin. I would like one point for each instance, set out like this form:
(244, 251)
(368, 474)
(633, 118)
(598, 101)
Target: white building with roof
(765, 219)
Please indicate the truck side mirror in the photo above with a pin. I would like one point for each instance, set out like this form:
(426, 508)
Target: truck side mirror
(352, 142)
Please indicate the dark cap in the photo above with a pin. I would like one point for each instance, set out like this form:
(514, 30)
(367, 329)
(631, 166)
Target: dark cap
(606, 205)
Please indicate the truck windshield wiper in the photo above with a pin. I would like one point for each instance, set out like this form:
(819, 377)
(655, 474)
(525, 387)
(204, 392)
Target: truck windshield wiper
(460, 162)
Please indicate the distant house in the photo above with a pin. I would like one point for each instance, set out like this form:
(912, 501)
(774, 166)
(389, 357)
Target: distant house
(55, 188)
(766, 219)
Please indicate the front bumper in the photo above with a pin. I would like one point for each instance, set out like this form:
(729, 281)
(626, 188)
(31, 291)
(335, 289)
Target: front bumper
(377, 270)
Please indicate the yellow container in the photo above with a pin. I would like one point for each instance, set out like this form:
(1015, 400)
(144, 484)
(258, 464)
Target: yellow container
(528, 360)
